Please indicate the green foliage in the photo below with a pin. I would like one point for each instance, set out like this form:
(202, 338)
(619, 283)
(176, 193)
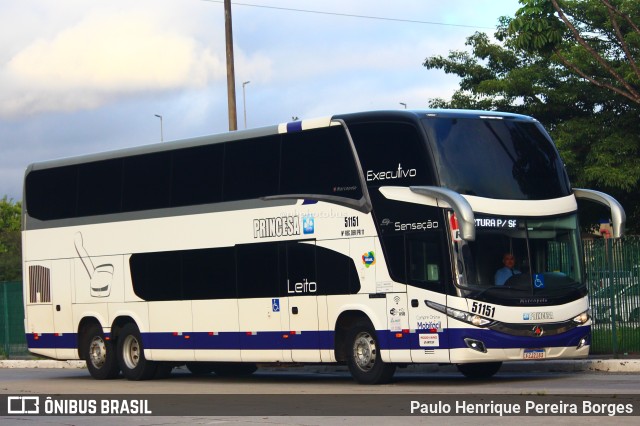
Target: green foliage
(10, 241)
(578, 79)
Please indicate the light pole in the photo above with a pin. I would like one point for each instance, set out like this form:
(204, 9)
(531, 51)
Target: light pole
(161, 135)
(404, 105)
(231, 74)
(244, 102)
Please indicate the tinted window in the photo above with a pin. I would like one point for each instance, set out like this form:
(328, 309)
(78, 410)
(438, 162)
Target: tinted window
(319, 161)
(337, 273)
(197, 175)
(424, 260)
(184, 275)
(157, 276)
(51, 193)
(392, 154)
(100, 187)
(301, 270)
(251, 168)
(147, 181)
(209, 273)
(500, 159)
(394, 251)
(258, 270)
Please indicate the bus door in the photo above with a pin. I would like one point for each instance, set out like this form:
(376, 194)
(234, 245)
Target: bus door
(262, 311)
(300, 332)
(426, 279)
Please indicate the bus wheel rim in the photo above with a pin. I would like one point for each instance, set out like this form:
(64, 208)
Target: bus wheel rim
(131, 352)
(97, 352)
(364, 351)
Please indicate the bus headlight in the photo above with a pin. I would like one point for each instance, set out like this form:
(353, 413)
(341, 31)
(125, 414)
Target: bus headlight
(463, 316)
(583, 317)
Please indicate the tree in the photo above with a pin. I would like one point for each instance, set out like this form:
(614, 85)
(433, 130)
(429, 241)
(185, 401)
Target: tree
(540, 67)
(10, 241)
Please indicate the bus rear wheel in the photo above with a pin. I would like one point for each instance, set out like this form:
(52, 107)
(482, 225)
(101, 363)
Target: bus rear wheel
(364, 358)
(479, 370)
(131, 358)
(99, 353)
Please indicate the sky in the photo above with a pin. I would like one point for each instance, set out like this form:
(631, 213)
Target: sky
(86, 76)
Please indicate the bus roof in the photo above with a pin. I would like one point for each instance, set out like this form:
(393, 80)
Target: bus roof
(403, 115)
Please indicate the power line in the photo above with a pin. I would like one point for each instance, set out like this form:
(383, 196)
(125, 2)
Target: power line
(348, 15)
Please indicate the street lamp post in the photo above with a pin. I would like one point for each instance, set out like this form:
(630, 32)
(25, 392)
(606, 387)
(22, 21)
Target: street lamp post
(244, 102)
(161, 135)
(404, 105)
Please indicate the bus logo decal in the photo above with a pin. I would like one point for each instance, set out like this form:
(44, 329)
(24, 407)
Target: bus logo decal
(308, 224)
(368, 259)
(281, 226)
(537, 331)
(391, 174)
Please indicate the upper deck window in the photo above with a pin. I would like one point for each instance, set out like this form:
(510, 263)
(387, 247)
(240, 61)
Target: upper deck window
(493, 158)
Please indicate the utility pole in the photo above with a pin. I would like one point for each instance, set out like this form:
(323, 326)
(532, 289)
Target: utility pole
(231, 76)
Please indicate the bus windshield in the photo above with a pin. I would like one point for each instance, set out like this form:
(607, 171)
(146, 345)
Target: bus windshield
(497, 158)
(515, 259)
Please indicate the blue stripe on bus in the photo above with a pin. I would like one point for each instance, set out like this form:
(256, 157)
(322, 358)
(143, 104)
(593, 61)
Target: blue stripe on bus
(448, 339)
(294, 126)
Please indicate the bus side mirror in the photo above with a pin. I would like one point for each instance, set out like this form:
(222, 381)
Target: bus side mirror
(618, 217)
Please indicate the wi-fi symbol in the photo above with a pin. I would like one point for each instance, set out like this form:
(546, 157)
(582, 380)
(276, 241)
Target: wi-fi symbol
(396, 299)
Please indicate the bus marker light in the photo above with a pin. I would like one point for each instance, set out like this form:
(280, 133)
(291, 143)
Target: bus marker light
(583, 342)
(285, 336)
(476, 345)
(399, 335)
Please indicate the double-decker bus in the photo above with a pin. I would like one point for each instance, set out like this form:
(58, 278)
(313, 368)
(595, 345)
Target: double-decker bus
(368, 239)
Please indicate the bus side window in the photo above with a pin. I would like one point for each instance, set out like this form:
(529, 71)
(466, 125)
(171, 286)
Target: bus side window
(258, 270)
(251, 168)
(424, 258)
(305, 156)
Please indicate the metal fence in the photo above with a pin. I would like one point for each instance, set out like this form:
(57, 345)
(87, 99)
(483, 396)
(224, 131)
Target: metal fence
(613, 277)
(613, 272)
(12, 339)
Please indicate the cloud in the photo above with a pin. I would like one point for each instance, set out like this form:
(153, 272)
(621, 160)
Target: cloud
(101, 57)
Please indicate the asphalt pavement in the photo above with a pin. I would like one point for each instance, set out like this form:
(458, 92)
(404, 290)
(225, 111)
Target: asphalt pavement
(591, 364)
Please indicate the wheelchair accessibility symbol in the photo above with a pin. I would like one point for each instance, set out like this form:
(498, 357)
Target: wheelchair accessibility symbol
(275, 303)
(538, 281)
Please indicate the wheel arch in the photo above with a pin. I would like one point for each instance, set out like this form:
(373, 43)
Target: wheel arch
(344, 322)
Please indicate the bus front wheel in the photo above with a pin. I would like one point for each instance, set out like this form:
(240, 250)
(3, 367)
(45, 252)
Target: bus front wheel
(364, 357)
(131, 358)
(99, 353)
(479, 370)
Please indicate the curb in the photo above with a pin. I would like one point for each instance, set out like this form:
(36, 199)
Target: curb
(581, 365)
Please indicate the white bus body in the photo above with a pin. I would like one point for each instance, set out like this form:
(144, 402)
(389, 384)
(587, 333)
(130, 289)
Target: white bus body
(381, 266)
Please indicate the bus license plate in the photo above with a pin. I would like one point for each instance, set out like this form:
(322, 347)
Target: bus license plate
(534, 354)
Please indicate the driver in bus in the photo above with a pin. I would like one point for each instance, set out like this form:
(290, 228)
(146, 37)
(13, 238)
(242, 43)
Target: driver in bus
(507, 271)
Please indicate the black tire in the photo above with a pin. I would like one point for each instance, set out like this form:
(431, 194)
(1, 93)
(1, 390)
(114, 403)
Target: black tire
(131, 358)
(200, 368)
(479, 370)
(363, 356)
(234, 369)
(99, 353)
